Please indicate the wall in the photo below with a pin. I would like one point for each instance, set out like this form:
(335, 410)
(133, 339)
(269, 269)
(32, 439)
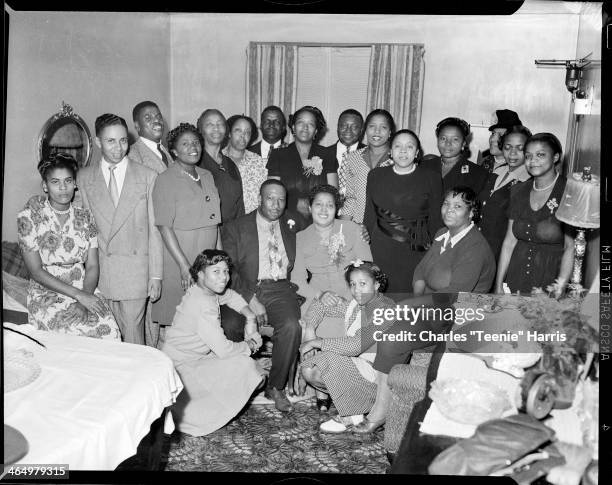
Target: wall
(97, 62)
(473, 64)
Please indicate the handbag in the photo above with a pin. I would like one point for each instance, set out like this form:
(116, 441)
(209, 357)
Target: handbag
(496, 445)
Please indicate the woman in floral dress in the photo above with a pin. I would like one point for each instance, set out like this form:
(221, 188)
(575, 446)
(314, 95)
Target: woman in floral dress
(303, 164)
(252, 168)
(59, 245)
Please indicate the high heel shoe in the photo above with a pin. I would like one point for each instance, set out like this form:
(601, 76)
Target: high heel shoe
(367, 426)
(323, 405)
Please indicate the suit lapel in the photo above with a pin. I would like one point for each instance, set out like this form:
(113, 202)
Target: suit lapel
(98, 189)
(130, 194)
(288, 241)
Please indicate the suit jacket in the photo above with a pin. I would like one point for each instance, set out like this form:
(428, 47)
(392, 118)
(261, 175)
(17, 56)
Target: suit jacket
(141, 153)
(241, 242)
(130, 246)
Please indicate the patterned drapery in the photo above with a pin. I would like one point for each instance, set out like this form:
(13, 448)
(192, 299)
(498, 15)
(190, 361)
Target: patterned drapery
(271, 77)
(396, 82)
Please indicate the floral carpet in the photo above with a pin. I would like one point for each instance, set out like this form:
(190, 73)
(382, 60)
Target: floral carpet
(263, 439)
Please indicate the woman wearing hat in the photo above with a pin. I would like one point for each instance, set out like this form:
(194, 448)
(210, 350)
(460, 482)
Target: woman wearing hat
(493, 158)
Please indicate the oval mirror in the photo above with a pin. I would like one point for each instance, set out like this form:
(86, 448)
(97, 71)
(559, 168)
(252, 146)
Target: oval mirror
(66, 132)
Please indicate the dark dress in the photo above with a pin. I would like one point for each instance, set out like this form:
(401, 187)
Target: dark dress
(463, 172)
(287, 164)
(536, 258)
(402, 214)
(493, 222)
(229, 184)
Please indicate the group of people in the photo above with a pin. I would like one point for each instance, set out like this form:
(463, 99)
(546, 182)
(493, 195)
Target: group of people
(214, 237)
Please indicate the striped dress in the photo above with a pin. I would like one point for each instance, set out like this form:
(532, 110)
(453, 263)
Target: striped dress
(345, 362)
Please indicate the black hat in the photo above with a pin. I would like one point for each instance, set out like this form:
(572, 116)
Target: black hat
(505, 118)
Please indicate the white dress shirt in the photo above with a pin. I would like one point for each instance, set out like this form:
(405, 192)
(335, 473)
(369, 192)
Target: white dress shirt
(119, 172)
(265, 148)
(152, 145)
(341, 149)
(453, 240)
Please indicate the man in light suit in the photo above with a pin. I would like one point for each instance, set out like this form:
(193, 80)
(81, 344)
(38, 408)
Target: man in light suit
(118, 192)
(273, 128)
(350, 133)
(262, 247)
(148, 149)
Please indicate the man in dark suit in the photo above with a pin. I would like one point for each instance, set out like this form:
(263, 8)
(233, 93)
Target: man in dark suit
(273, 131)
(350, 133)
(148, 149)
(262, 247)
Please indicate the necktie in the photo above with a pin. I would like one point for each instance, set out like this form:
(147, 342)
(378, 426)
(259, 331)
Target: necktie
(342, 172)
(274, 254)
(112, 186)
(163, 155)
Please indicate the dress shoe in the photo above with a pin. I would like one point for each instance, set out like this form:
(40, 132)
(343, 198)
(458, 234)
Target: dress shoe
(340, 424)
(280, 399)
(367, 426)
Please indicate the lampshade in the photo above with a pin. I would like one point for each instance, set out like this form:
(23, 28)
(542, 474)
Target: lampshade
(579, 206)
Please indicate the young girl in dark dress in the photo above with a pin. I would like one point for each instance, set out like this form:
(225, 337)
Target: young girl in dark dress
(538, 248)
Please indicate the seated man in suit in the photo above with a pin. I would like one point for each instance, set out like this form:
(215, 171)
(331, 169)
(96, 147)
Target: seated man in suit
(350, 133)
(118, 193)
(262, 247)
(148, 149)
(273, 131)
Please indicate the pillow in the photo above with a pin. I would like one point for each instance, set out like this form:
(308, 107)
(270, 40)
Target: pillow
(12, 260)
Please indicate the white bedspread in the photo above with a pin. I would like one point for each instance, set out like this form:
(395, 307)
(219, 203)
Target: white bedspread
(93, 401)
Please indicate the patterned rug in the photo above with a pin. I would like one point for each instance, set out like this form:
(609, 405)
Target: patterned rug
(262, 439)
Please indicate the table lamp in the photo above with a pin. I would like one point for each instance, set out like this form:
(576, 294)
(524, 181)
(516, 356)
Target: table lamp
(579, 207)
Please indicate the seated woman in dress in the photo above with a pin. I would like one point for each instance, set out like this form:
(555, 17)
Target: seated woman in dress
(219, 375)
(402, 211)
(495, 197)
(213, 128)
(379, 128)
(187, 214)
(303, 164)
(60, 249)
(538, 249)
(252, 168)
(459, 259)
(452, 165)
(343, 368)
(323, 249)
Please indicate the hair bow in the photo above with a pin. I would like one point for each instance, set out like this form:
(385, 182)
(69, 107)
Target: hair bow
(356, 263)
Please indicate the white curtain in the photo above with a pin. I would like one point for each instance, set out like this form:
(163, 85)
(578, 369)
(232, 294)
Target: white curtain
(271, 77)
(396, 82)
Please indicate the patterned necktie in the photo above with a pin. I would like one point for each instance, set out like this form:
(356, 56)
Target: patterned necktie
(342, 172)
(112, 186)
(163, 154)
(274, 254)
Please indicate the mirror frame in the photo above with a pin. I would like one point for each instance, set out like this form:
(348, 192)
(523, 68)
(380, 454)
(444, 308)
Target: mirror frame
(66, 112)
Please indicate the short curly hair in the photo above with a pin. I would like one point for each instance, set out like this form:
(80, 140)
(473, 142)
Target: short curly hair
(514, 130)
(211, 111)
(320, 123)
(405, 131)
(468, 196)
(179, 131)
(57, 160)
(371, 269)
(385, 114)
(462, 125)
(551, 140)
(208, 257)
(234, 118)
(325, 189)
